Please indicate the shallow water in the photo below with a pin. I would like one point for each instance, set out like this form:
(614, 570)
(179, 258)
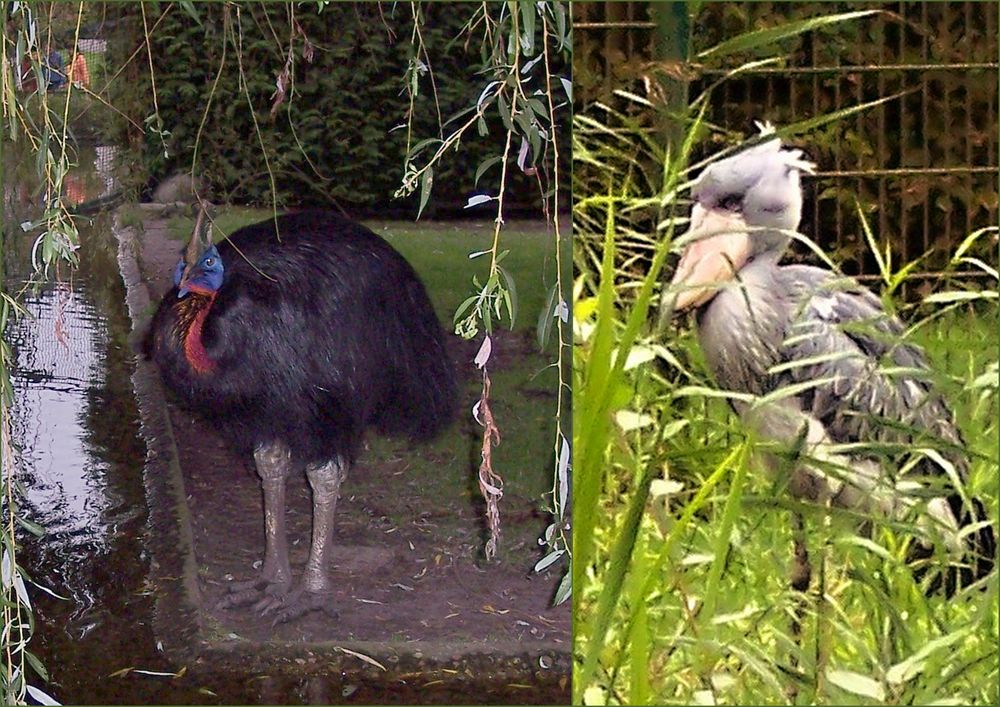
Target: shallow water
(75, 426)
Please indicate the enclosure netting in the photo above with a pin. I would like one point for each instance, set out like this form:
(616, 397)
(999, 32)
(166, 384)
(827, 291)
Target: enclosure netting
(922, 166)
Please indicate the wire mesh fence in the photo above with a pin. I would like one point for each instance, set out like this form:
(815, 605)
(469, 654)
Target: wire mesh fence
(921, 166)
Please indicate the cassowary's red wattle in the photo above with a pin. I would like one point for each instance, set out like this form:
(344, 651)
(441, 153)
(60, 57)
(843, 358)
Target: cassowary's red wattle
(194, 349)
(294, 337)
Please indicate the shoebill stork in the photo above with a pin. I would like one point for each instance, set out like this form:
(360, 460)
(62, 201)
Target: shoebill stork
(764, 326)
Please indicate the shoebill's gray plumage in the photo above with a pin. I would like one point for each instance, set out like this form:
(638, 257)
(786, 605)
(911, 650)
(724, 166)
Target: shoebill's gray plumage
(764, 327)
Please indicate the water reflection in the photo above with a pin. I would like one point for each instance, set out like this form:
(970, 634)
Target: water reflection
(59, 362)
(78, 453)
(92, 178)
(57, 359)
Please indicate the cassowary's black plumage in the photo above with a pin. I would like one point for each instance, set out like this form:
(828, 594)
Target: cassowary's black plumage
(306, 338)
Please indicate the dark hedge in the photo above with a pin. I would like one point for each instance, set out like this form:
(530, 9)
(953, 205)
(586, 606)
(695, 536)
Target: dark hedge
(339, 119)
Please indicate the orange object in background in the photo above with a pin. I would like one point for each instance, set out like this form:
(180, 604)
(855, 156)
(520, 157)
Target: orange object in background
(75, 189)
(79, 74)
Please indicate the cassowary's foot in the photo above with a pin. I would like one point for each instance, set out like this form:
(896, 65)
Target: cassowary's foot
(253, 591)
(296, 603)
(277, 598)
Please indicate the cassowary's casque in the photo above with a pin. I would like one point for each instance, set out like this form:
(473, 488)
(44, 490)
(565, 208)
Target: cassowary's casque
(764, 327)
(293, 342)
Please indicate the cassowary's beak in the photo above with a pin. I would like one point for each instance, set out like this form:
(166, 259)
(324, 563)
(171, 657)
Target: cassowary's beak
(720, 246)
(189, 274)
(199, 242)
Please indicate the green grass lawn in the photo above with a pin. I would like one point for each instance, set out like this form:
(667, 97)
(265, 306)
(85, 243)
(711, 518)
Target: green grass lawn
(524, 381)
(439, 252)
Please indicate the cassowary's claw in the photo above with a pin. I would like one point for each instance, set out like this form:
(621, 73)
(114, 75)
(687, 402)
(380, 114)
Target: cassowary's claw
(299, 603)
(274, 602)
(236, 599)
(252, 591)
(276, 598)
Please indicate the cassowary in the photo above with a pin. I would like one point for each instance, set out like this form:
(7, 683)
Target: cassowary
(292, 338)
(849, 378)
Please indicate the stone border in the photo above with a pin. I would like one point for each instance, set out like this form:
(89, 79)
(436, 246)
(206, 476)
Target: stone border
(173, 570)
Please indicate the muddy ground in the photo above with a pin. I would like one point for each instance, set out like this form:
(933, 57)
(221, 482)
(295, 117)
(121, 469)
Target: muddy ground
(413, 588)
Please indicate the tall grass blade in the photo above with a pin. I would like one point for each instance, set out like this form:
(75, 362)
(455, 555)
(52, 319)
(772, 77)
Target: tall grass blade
(613, 579)
(591, 423)
(601, 374)
(734, 502)
(638, 635)
(764, 37)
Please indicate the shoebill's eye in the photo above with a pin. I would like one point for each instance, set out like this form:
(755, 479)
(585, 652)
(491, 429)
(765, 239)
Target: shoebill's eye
(731, 202)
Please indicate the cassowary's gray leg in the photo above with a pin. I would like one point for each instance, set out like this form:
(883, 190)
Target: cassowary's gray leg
(325, 481)
(316, 589)
(272, 590)
(273, 466)
(273, 463)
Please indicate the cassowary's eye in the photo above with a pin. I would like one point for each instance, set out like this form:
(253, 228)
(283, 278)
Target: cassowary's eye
(209, 262)
(731, 202)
